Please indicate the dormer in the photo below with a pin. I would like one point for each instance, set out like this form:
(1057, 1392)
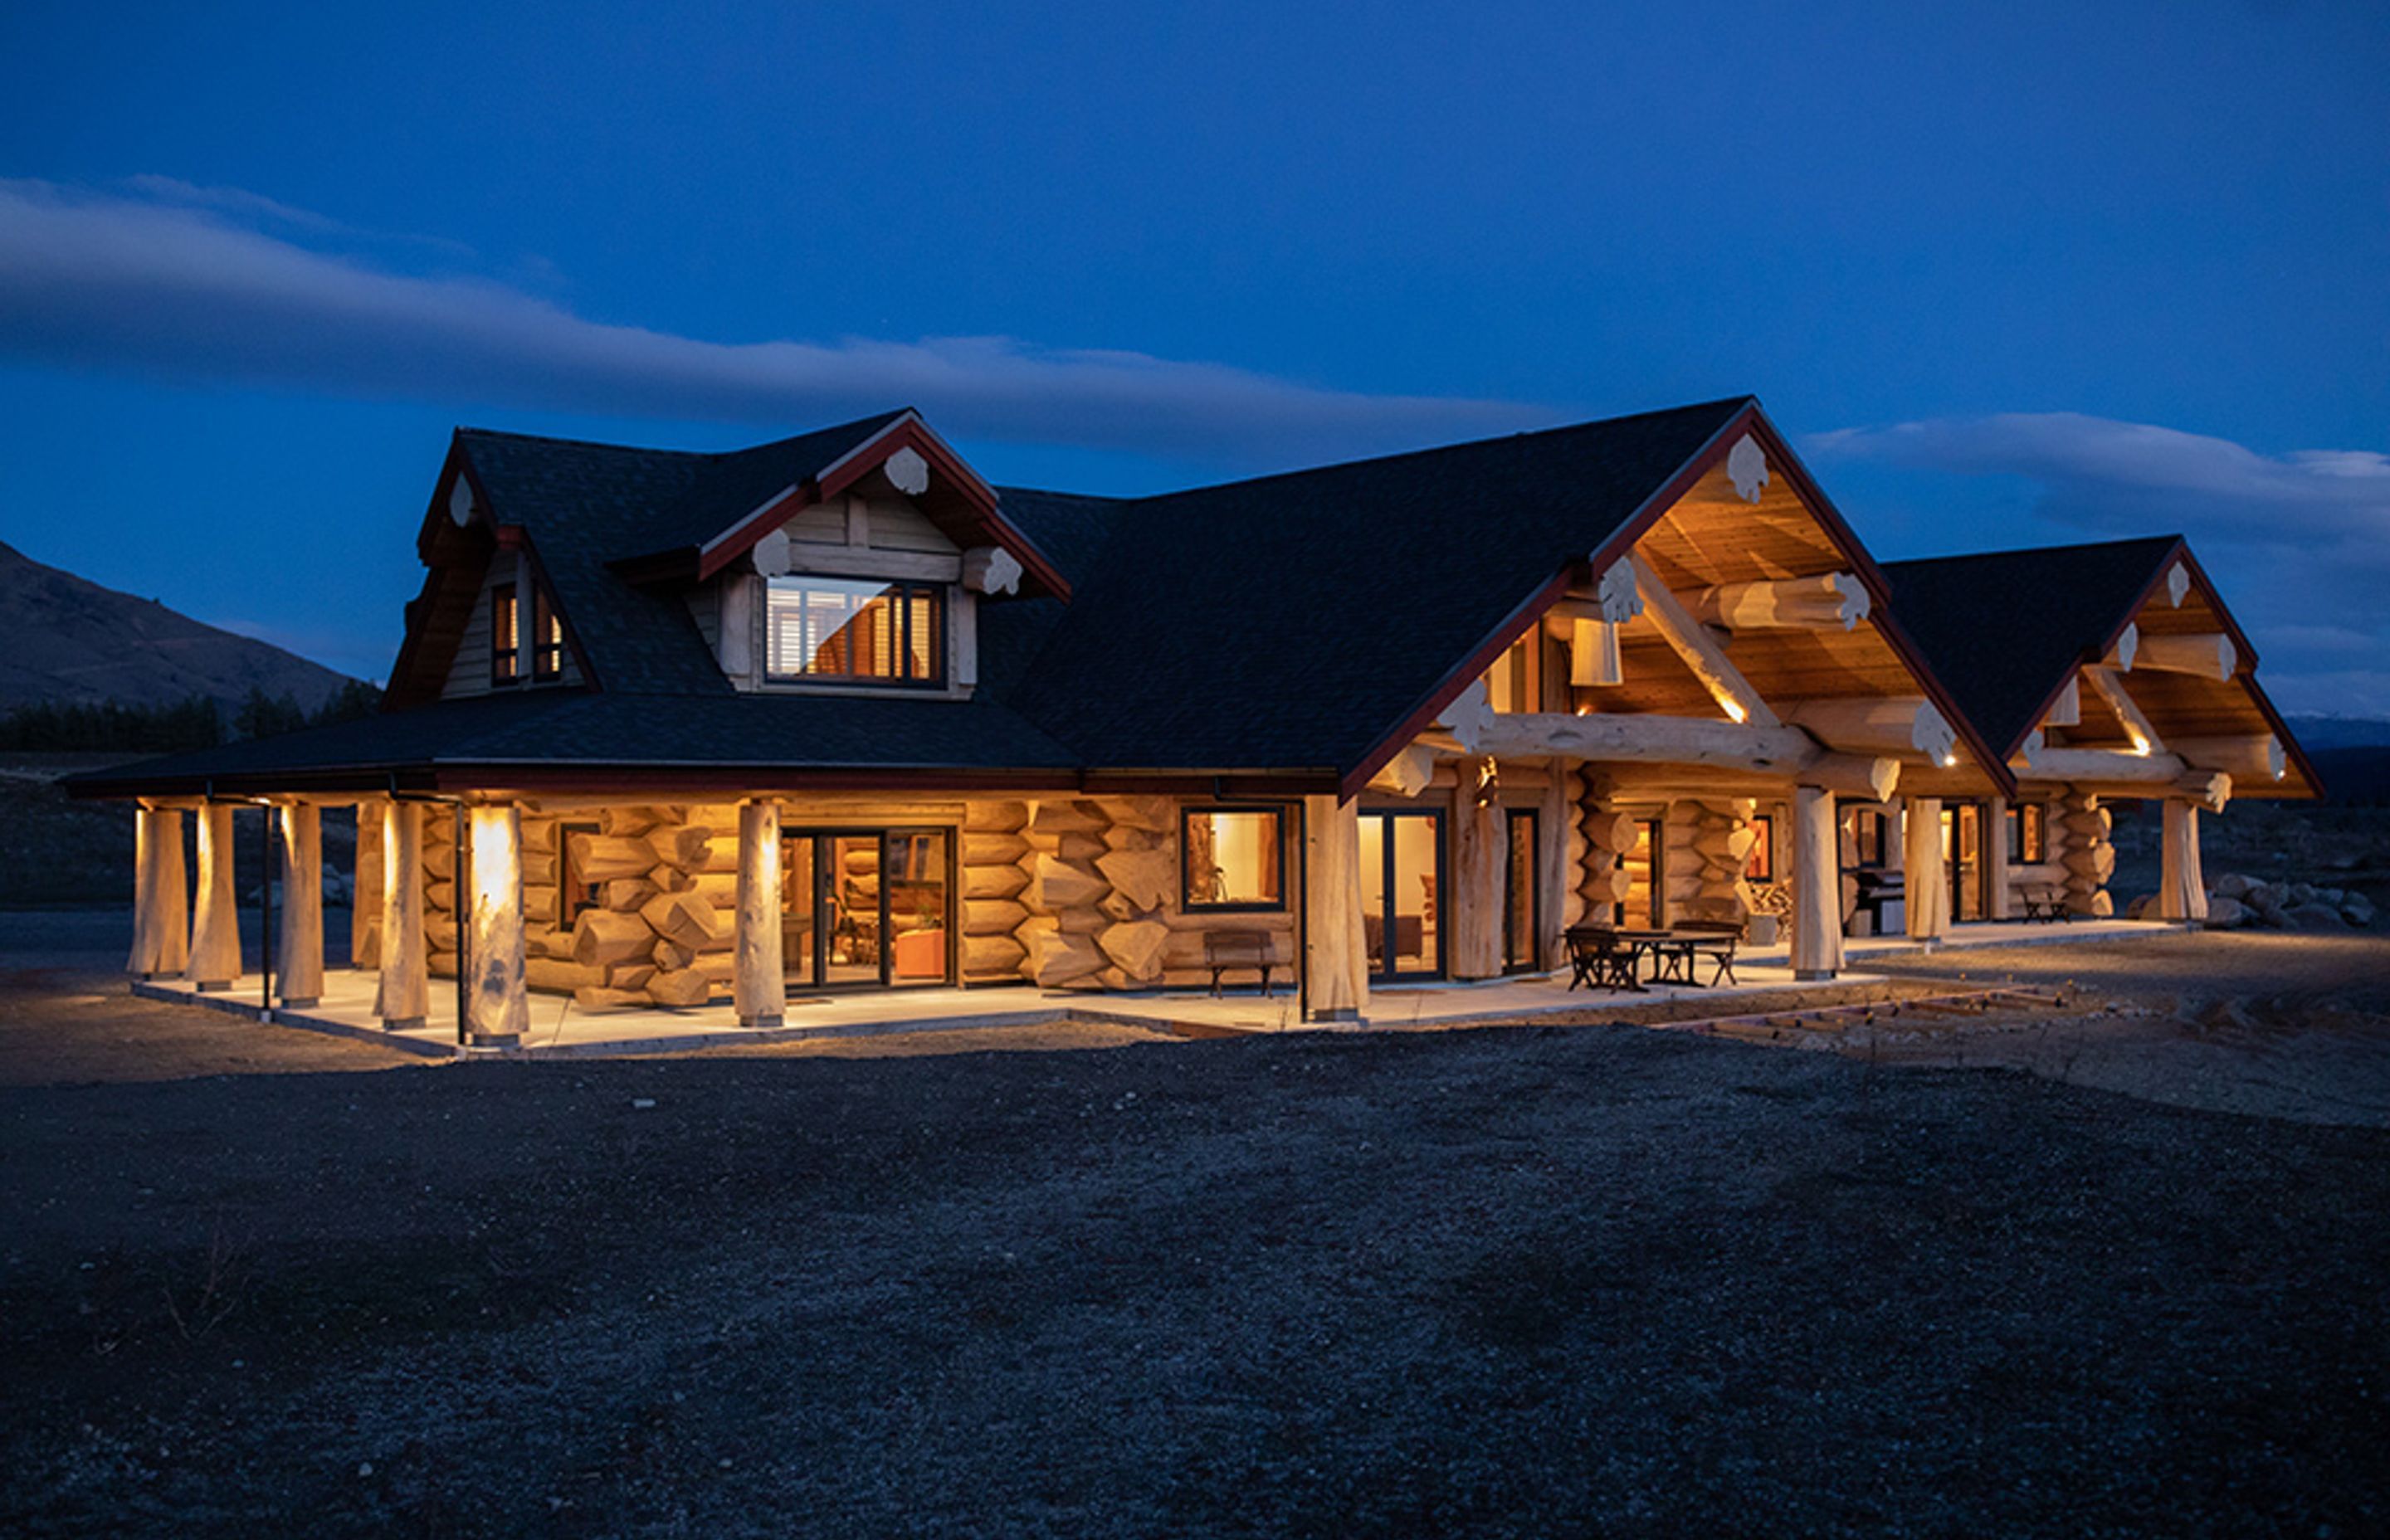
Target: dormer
(864, 577)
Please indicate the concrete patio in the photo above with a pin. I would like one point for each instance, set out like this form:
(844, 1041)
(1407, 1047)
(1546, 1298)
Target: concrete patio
(560, 1028)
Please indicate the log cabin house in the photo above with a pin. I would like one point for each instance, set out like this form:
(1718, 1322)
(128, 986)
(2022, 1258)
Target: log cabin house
(832, 712)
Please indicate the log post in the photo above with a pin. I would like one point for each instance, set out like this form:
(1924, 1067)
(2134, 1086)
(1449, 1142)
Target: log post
(404, 999)
(2182, 890)
(162, 897)
(759, 985)
(1471, 913)
(1925, 874)
(497, 1000)
(1335, 959)
(1816, 886)
(1996, 858)
(215, 924)
(365, 889)
(1555, 873)
(300, 949)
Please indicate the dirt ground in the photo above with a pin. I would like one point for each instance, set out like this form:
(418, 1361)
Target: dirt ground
(1503, 1281)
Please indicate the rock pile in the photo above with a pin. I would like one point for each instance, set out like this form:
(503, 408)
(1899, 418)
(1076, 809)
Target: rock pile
(2235, 901)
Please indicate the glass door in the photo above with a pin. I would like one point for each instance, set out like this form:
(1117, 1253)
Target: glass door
(1522, 897)
(1402, 865)
(866, 907)
(1962, 855)
(1646, 904)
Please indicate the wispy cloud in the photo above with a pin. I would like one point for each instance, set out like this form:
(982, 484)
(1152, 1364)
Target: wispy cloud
(218, 283)
(2300, 541)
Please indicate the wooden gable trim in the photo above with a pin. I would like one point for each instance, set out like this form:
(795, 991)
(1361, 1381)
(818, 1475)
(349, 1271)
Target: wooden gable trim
(907, 431)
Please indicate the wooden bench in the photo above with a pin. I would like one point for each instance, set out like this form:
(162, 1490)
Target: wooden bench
(1600, 959)
(1713, 939)
(2045, 902)
(1224, 950)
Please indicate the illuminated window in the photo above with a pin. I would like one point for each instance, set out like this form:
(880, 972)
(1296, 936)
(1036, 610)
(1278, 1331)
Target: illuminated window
(1231, 858)
(855, 629)
(1867, 838)
(2028, 834)
(546, 637)
(1515, 683)
(506, 662)
(1761, 868)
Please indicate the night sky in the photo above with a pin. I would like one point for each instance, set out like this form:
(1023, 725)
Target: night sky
(2008, 273)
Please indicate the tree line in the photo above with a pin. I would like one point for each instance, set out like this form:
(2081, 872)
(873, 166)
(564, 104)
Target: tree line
(195, 722)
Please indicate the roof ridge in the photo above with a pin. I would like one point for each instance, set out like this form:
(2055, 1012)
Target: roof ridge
(2039, 550)
(1455, 447)
(464, 430)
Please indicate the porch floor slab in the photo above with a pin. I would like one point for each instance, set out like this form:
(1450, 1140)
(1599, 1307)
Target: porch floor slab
(560, 1028)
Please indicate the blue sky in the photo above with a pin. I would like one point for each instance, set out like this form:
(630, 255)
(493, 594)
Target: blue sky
(2011, 274)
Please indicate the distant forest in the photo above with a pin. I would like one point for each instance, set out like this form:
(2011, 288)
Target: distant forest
(196, 722)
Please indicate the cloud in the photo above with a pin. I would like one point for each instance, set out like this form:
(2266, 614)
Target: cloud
(182, 279)
(2299, 542)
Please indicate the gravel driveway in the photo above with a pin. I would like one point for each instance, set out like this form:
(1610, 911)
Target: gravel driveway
(1510, 1281)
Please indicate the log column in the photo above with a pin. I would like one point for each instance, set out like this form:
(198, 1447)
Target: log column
(1816, 886)
(1335, 957)
(162, 894)
(497, 1003)
(404, 999)
(364, 890)
(759, 982)
(1996, 858)
(1471, 914)
(1925, 876)
(300, 951)
(2182, 891)
(215, 923)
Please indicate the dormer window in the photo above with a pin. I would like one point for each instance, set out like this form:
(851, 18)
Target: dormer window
(505, 658)
(861, 631)
(546, 639)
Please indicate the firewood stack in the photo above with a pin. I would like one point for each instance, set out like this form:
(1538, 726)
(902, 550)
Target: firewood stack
(2087, 854)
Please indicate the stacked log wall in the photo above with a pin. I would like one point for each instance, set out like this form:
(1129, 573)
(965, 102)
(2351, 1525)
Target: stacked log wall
(996, 875)
(1604, 835)
(2085, 854)
(1709, 849)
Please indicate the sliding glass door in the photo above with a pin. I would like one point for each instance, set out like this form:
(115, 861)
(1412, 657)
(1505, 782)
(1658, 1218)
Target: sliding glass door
(1523, 907)
(867, 908)
(1402, 867)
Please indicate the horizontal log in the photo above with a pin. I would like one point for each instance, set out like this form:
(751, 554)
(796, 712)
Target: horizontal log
(1136, 948)
(684, 847)
(597, 997)
(603, 857)
(989, 849)
(1058, 885)
(2254, 757)
(994, 817)
(1836, 601)
(683, 919)
(1908, 725)
(993, 916)
(631, 821)
(560, 975)
(1785, 753)
(2210, 655)
(1054, 816)
(1155, 815)
(992, 956)
(1146, 877)
(1060, 958)
(602, 937)
(680, 990)
(1005, 881)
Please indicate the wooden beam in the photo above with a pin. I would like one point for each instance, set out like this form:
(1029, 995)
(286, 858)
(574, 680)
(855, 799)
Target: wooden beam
(759, 982)
(2107, 687)
(2128, 647)
(2113, 772)
(403, 997)
(1469, 909)
(216, 925)
(1700, 650)
(1816, 886)
(1925, 874)
(2182, 891)
(161, 895)
(2254, 757)
(299, 953)
(1335, 957)
(1408, 772)
(2210, 655)
(1836, 601)
(2066, 711)
(1908, 725)
(497, 1000)
(1784, 752)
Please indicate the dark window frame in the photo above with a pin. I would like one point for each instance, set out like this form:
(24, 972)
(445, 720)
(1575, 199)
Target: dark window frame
(2028, 831)
(907, 593)
(1761, 865)
(505, 662)
(568, 905)
(1187, 902)
(546, 637)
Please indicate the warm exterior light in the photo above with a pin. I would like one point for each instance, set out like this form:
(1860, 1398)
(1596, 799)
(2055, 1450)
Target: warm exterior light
(1734, 709)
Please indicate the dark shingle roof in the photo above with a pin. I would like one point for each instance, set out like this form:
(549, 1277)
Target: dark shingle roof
(2004, 630)
(563, 727)
(1289, 622)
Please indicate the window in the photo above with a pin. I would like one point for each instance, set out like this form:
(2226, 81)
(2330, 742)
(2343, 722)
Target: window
(856, 630)
(574, 893)
(1231, 857)
(2028, 834)
(546, 637)
(1515, 683)
(1867, 838)
(506, 662)
(1761, 868)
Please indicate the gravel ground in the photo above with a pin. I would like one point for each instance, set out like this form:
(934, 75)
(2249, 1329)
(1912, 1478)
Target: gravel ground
(1510, 1281)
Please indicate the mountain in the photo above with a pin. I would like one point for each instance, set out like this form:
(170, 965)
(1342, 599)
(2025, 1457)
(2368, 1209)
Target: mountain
(65, 639)
(2317, 733)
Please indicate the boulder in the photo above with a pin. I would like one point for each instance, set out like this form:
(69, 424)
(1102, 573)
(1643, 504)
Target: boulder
(2315, 916)
(2233, 885)
(2301, 893)
(2227, 914)
(2357, 910)
(2140, 906)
